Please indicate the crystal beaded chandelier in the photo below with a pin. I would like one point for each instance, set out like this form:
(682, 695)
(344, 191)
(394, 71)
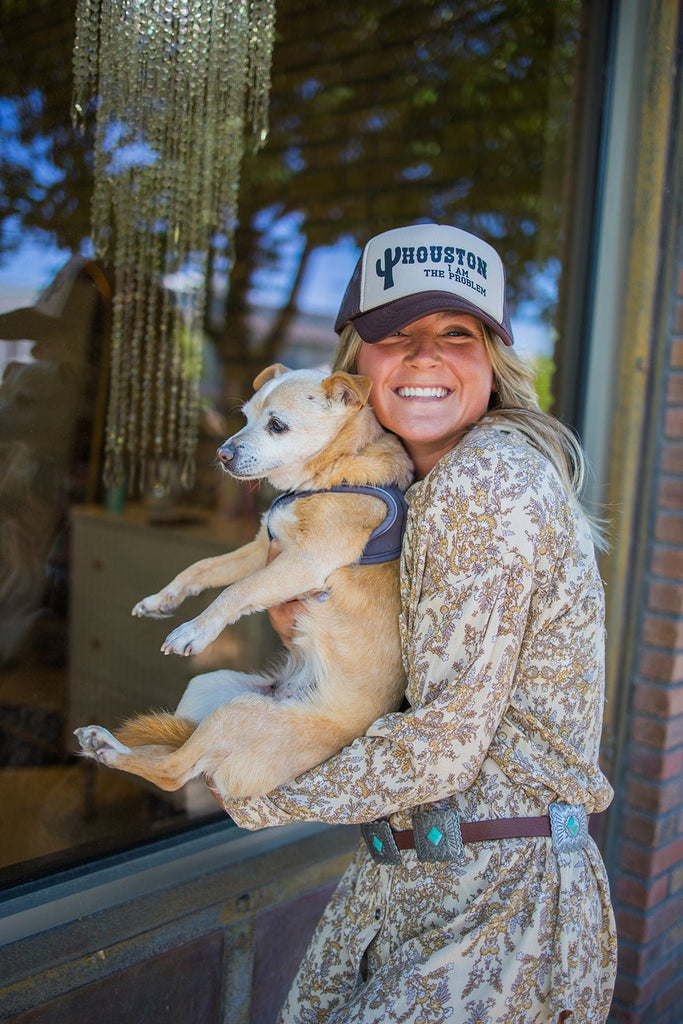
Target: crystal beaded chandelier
(181, 87)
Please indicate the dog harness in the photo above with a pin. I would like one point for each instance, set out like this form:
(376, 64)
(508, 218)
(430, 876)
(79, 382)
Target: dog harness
(384, 543)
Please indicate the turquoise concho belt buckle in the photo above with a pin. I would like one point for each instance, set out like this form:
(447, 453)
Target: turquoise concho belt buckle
(437, 835)
(568, 827)
(379, 840)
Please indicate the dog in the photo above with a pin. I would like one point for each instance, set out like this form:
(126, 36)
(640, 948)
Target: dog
(306, 433)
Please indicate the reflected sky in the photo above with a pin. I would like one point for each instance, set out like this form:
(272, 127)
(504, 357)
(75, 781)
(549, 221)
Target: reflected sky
(30, 259)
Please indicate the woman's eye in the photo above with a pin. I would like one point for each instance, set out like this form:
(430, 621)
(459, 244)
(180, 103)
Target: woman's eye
(276, 426)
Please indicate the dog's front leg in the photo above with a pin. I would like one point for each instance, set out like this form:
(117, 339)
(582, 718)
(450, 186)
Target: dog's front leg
(205, 574)
(292, 574)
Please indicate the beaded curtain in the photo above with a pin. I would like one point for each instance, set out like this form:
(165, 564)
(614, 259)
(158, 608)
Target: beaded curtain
(179, 88)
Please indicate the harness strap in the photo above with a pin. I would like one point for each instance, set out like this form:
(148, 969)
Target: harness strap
(384, 543)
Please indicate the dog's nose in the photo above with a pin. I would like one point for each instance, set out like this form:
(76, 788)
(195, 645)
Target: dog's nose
(226, 453)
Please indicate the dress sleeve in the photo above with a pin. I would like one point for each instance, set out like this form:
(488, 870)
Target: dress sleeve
(469, 577)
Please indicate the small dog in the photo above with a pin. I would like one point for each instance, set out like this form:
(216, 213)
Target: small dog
(247, 733)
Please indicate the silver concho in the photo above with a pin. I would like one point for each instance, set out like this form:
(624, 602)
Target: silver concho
(568, 826)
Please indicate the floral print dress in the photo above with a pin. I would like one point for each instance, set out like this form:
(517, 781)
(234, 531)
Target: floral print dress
(502, 628)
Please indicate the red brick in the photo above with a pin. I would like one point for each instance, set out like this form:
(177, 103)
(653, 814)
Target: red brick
(639, 894)
(638, 993)
(661, 631)
(671, 457)
(663, 917)
(669, 528)
(666, 597)
(667, 561)
(650, 863)
(626, 992)
(651, 987)
(670, 997)
(677, 879)
(658, 699)
(639, 960)
(663, 733)
(656, 764)
(674, 388)
(673, 423)
(670, 493)
(662, 665)
(677, 349)
(651, 829)
(630, 924)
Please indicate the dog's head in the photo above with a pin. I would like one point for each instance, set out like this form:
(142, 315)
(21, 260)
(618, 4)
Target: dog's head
(294, 417)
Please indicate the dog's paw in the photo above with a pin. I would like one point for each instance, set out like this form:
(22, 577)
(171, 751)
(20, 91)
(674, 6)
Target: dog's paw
(158, 606)
(99, 744)
(191, 638)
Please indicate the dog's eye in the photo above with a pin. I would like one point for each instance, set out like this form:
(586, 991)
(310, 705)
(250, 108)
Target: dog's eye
(276, 426)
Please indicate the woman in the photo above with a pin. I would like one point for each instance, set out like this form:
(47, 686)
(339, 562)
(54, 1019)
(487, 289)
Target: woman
(477, 895)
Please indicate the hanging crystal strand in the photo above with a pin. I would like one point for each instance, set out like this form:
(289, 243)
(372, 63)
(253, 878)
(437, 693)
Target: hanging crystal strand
(178, 192)
(177, 82)
(84, 60)
(260, 61)
(194, 243)
(163, 141)
(142, 187)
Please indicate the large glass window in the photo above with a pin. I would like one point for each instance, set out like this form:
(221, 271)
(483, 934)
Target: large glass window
(382, 113)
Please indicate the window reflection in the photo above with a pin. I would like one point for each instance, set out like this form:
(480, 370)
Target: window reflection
(381, 114)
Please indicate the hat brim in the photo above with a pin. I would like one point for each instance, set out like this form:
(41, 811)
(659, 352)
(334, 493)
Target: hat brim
(381, 322)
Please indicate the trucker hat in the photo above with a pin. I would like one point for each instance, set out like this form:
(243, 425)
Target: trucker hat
(407, 273)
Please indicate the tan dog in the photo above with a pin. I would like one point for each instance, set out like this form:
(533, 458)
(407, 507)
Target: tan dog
(250, 733)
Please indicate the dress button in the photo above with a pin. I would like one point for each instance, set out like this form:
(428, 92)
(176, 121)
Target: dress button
(378, 913)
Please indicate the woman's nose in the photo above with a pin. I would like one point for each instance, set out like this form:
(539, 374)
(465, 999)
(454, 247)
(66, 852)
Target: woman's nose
(424, 350)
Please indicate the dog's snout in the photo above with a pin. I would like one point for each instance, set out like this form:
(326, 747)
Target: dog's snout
(226, 453)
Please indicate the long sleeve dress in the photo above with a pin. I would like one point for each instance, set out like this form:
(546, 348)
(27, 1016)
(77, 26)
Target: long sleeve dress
(502, 629)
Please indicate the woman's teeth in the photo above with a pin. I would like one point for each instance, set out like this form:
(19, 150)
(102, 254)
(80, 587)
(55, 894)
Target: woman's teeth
(422, 392)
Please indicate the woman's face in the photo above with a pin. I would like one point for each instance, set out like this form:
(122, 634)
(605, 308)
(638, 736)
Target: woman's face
(429, 380)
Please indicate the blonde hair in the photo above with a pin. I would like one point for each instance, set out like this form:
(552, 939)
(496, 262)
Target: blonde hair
(514, 401)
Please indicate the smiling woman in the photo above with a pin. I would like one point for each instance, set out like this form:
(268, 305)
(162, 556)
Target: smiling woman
(474, 800)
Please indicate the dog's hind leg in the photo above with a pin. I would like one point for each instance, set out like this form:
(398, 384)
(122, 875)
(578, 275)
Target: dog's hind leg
(266, 743)
(167, 769)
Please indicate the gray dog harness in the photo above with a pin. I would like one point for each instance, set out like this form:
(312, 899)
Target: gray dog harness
(385, 541)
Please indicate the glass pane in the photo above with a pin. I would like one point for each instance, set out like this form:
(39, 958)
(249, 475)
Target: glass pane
(382, 113)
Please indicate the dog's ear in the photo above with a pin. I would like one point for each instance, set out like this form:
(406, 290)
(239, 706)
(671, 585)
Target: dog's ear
(349, 388)
(270, 371)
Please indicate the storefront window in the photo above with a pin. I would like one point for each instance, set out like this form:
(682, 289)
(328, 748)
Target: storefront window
(382, 113)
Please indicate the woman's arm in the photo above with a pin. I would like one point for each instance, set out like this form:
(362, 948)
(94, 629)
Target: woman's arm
(475, 540)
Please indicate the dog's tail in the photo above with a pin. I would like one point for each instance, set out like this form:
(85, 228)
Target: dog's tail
(158, 728)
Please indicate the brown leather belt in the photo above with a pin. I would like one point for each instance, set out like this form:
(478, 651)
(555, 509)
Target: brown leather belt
(439, 834)
(493, 828)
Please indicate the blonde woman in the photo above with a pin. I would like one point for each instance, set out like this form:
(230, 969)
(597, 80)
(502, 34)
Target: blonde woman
(476, 895)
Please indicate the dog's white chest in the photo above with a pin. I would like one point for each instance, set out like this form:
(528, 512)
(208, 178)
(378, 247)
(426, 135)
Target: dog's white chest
(282, 522)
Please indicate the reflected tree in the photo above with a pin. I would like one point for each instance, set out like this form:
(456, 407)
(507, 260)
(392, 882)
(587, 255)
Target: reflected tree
(382, 112)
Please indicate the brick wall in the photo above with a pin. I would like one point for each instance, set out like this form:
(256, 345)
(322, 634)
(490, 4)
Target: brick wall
(648, 882)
